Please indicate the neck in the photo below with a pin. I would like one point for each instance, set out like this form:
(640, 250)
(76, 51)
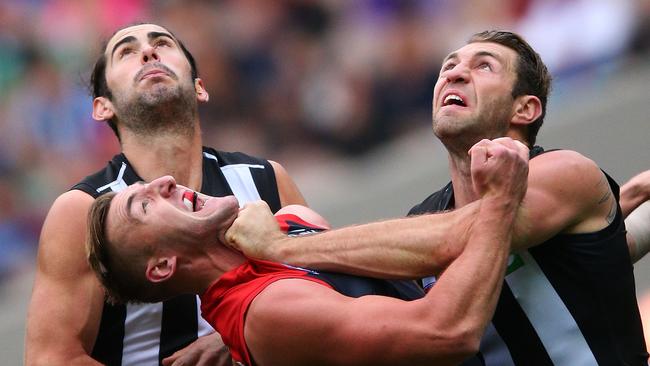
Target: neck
(461, 179)
(178, 155)
(211, 265)
(460, 170)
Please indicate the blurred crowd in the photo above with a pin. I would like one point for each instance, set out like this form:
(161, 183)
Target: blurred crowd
(298, 81)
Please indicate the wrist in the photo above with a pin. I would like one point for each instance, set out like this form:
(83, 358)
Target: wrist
(278, 249)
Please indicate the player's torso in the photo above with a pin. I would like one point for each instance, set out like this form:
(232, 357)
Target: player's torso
(144, 334)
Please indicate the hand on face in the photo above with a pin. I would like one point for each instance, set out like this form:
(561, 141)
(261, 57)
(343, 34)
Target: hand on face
(254, 231)
(500, 168)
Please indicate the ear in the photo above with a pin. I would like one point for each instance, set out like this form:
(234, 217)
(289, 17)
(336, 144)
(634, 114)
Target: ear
(527, 109)
(161, 269)
(102, 109)
(201, 93)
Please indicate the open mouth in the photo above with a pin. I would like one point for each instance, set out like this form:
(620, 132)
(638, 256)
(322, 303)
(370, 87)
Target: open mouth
(190, 200)
(453, 99)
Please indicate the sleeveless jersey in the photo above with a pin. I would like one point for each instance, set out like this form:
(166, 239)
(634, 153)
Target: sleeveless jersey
(144, 334)
(568, 301)
(226, 301)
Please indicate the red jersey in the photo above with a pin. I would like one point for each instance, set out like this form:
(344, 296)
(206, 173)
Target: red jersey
(225, 302)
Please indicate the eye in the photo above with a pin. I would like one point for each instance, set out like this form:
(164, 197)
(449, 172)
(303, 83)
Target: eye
(125, 51)
(448, 66)
(485, 66)
(161, 42)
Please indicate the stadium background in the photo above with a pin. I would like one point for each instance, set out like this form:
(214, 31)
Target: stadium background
(337, 91)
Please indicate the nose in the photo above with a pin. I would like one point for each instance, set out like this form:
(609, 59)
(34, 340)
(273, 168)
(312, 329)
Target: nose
(163, 185)
(457, 74)
(149, 54)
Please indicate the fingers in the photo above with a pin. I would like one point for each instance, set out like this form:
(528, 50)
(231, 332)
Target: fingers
(485, 148)
(252, 229)
(499, 167)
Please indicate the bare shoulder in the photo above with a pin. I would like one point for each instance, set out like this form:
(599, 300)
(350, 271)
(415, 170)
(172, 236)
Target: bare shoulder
(285, 323)
(566, 163)
(567, 173)
(289, 192)
(282, 298)
(67, 300)
(64, 231)
(567, 193)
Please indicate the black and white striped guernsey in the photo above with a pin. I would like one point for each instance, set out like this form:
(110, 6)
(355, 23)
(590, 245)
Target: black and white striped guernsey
(569, 301)
(144, 334)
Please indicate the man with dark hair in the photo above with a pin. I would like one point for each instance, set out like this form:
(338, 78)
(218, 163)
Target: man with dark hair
(146, 86)
(568, 297)
(147, 243)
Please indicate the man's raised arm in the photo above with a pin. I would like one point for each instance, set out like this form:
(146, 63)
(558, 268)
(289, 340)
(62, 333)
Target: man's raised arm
(400, 248)
(442, 328)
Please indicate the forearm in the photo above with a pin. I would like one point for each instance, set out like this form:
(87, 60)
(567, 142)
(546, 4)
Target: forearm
(401, 248)
(638, 229)
(634, 192)
(63, 332)
(469, 289)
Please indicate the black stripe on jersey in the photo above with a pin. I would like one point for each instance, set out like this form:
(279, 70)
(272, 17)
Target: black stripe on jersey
(179, 325)
(356, 286)
(587, 261)
(109, 342)
(268, 188)
(477, 360)
(515, 329)
(214, 182)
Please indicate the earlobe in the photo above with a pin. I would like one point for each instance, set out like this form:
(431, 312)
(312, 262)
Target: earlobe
(102, 109)
(527, 109)
(161, 269)
(201, 94)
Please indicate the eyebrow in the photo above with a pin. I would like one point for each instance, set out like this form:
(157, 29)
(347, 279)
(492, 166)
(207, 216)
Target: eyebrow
(150, 36)
(129, 201)
(128, 39)
(449, 57)
(477, 54)
(488, 54)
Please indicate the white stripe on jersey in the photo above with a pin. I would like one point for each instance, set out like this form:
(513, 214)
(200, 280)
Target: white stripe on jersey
(142, 334)
(204, 327)
(548, 314)
(142, 326)
(494, 349)
(118, 184)
(241, 182)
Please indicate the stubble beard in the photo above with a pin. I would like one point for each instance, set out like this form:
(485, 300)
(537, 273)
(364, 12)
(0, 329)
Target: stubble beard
(461, 133)
(162, 109)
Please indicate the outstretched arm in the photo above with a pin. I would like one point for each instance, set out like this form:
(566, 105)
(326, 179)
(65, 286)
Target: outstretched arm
(398, 248)
(322, 327)
(634, 192)
(638, 232)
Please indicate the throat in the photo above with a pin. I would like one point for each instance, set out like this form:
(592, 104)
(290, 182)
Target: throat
(461, 178)
(181, 158)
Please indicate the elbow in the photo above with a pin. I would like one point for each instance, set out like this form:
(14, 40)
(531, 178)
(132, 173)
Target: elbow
(56, 357)
(466, 343)
(452, 347)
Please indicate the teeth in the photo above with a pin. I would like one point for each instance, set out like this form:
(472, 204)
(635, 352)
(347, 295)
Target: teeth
(188, 204)
(452, 97)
